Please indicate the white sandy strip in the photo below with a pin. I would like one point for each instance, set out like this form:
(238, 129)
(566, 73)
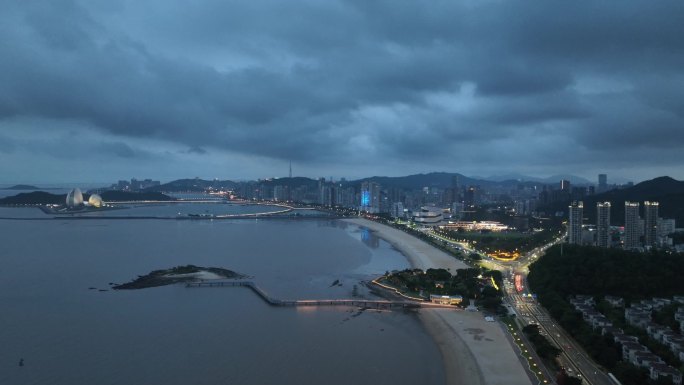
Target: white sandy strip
(474, 351)
(419, 254)
(467, 338)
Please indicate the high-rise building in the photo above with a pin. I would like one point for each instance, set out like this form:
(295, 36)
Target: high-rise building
(602, 183)
(631, 239)
(279, 193)
(397, 210)
(565, 185)
(370, 197)
(603, 224)
(519, 207)
(575, 211)
(470, 196)
(665, 227)
(452, 193)
(327, 195)
(457, 211)
(651, 223)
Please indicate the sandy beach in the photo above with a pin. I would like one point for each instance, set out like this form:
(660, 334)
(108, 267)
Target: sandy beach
(474, 351)
(419, 254)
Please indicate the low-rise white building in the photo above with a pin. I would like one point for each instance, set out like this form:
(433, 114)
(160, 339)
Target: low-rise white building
(428, 216)
(659, 370)
(446, 299)
(615, 301)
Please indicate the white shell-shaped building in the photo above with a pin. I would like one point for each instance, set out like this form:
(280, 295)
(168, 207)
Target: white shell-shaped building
(95, 200)
(74, 198)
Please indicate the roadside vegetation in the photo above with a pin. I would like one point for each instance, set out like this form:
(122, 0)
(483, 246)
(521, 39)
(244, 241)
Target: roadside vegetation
(576, 270)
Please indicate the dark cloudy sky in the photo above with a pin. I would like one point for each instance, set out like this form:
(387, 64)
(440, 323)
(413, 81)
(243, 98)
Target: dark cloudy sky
(100, 90)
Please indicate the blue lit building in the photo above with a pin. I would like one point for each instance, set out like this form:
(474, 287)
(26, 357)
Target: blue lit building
(370, 197)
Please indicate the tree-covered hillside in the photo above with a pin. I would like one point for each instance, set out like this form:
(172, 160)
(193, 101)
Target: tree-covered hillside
(597, 271)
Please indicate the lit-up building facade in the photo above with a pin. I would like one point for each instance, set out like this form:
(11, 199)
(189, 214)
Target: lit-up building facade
(575, 212)
(74, 198)
(95, 201)
(428, 215)
(370, 197)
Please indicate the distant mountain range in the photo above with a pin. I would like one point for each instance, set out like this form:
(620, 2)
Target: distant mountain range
(22, 187)
(665, 190)
(26, 187)
(554, 179)
(195, 184)
(439, 180)
(416, 181)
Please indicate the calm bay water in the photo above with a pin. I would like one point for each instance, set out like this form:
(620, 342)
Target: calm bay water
(68, 334)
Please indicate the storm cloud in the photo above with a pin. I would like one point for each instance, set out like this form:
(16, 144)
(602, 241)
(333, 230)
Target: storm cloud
(386, 87)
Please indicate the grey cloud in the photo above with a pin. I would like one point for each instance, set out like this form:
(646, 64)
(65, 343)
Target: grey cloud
(121, 150)
(196, 150)
(7, 145)
(319, 82)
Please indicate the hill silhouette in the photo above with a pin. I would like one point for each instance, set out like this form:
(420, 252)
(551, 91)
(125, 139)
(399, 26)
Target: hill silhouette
(193, 185)
(668, 192)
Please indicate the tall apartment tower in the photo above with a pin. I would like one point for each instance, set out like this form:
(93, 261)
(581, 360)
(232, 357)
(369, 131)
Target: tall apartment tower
(370, 197)
(575, 222)
(603, 224)
(565, 185)
(650, 223)
(631, 225)
(602, 183)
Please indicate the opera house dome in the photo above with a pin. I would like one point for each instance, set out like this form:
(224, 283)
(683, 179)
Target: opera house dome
(95, 200)
(74, 198)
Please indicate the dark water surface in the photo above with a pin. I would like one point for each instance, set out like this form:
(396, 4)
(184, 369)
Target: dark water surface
(68, 334)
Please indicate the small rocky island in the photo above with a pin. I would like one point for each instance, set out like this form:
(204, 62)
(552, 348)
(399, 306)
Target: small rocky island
(178, 274)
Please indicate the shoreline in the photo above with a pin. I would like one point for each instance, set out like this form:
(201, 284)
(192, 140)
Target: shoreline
(419, 254)
(473, 351)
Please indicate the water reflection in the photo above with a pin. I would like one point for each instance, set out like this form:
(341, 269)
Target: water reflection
(369, 238)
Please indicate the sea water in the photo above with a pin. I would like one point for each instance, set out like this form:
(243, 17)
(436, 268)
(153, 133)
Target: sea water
(55, 317)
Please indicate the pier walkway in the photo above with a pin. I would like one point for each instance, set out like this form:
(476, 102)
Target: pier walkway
(378, 304)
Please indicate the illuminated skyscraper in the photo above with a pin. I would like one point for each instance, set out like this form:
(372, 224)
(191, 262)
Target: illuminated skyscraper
(631, 225)
(575, 211)
(603, 224)
(370, 197)
(651, 223)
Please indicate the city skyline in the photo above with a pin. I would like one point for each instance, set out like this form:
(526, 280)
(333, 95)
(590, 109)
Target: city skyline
(96, 91)
(552, 180)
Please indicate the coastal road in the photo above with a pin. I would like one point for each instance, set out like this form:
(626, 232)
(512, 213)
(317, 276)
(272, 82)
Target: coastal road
(573, 358)
(576, 361)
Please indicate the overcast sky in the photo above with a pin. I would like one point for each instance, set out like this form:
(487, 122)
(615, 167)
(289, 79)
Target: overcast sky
(94, 91)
